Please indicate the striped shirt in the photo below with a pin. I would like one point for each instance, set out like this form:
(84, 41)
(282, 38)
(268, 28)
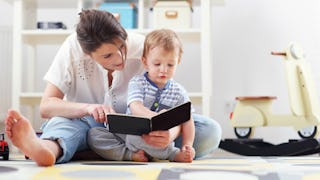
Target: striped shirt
(142, 89)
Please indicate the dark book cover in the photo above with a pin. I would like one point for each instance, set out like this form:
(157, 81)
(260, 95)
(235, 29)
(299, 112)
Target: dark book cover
(128, 124)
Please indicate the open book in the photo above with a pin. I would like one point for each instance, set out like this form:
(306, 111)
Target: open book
(128, 124)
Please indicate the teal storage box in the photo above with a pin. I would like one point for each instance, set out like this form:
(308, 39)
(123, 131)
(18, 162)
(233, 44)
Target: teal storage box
(124, 11)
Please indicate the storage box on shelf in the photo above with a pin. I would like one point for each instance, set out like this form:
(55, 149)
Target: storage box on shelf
(125, 12)
(172, 14)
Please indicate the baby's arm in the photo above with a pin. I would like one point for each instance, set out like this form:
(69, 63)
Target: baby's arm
(137, 108)
(188, 131)
(187, 152)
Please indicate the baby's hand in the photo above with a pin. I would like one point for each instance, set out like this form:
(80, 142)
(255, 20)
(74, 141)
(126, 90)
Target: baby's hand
(189, 151)
(186, 154)
(163, 110)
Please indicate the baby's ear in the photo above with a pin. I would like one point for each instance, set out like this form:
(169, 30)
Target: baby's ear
(144, 61)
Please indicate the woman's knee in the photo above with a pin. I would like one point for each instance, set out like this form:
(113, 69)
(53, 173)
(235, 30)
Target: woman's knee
(207, 135)
(207, 127)
(70, 135)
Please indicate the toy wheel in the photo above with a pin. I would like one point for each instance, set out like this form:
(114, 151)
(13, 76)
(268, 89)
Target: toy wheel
(308, 132)
(243, 132)
(6, 157)
(6, 154)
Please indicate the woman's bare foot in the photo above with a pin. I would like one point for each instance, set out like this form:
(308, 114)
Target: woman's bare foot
(186, 154)
(139, 156)
(22, 135)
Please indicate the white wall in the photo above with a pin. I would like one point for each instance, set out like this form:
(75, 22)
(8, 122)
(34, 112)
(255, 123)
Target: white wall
(5, 13)
(244, 34)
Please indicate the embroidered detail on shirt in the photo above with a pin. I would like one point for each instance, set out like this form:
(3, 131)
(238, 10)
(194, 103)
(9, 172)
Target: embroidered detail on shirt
(85, 68)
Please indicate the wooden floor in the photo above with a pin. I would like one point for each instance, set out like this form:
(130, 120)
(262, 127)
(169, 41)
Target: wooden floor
(219, 165)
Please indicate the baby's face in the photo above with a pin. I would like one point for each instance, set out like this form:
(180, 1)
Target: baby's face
(161, 65)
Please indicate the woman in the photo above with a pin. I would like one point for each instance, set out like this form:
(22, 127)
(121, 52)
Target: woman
(88, 79)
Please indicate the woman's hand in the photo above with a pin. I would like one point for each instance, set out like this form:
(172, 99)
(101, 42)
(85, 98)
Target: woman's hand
(99, 112)
(161, 139)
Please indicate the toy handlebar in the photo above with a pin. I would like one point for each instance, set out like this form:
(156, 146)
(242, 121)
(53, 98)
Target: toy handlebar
(279, 53)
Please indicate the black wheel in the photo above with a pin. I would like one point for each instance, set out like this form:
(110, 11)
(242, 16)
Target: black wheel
(6, 157)
(308, 132)
(243, 132)
(6, 154)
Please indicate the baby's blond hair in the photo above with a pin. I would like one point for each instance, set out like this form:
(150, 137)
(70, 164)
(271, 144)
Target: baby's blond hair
(165, 38)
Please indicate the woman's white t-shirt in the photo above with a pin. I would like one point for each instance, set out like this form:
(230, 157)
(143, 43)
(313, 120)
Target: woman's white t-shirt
(83, 80)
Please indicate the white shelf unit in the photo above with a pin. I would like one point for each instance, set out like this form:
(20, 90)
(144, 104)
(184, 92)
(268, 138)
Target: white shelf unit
(26, 39)
(26, 33)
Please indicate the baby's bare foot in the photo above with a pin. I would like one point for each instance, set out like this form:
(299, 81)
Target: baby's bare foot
(23, 136)
(139, 156)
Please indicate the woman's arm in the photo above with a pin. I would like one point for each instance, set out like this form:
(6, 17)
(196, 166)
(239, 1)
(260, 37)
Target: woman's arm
(52, 104)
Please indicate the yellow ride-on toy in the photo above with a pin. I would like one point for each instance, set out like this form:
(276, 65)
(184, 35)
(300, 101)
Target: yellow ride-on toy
(253, 112)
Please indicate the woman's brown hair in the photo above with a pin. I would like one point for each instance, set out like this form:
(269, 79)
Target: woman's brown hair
(97, 27)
